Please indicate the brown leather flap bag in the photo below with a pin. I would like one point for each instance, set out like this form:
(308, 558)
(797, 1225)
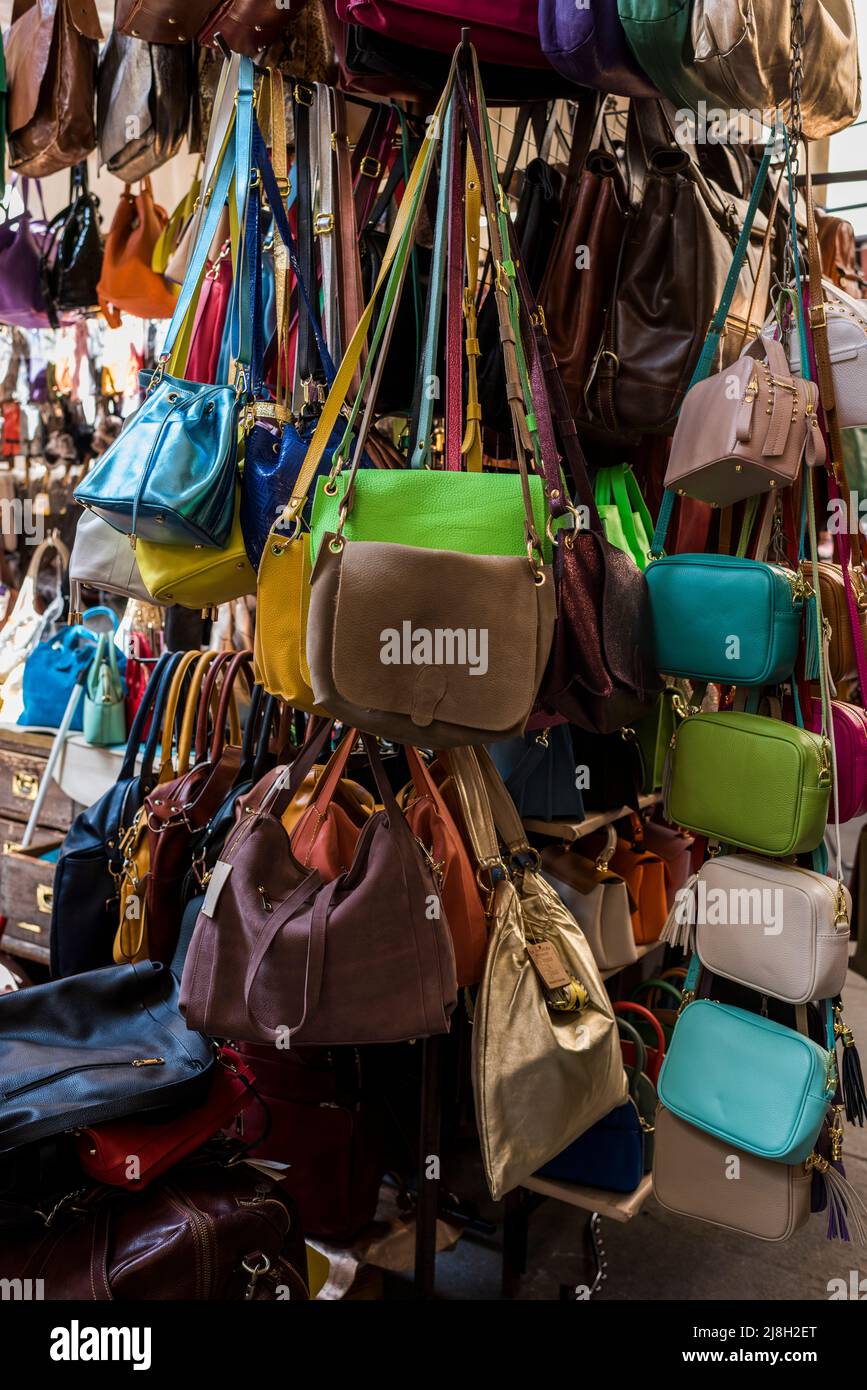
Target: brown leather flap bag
(51, 53)
(427, 646)
(161, 21)
(248, 26)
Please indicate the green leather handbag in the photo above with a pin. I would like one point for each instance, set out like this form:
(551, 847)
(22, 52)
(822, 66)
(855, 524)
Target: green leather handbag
(750, 781)
(473, 513)
(659, 34)
(104, 709)
(655, 732)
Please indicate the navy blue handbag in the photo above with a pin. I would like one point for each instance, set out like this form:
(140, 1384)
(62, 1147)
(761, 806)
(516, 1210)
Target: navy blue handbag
(616, 1152)
(84, 911)
(52, 669)
(539, 771)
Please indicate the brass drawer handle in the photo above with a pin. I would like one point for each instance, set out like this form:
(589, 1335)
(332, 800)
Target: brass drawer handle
(44, 897)
(10, 845)
(25, 785)
(29, 926)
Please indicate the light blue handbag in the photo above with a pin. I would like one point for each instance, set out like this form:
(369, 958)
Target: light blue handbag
(749, 1081)
(725, 618)
(171, 475)
(54, 666)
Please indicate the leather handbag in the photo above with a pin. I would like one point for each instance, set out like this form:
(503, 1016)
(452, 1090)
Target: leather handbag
(104, 1151)
(51, 52)
(198, 577)
(52, 670)
(691, 1177)
(846, 321)
(506, 33)
(779, 929)
(127, 282)
(430, 820)
(324, 1129)
(171, 476)
(26, 622)
(754, 1083)
(598, 899)
(96, 1047)
(248, 26)
(103, 559)
(674, 848)
(72, 252)
(658, 33)
(84, 908)
(699, 603)
(209, 328)
(379, 958)
(842, 653)
(644, 875)
(610, 768)
(654, 1053)
(615, 1153)
(750, 781)
(654, 733)
(22, 288)
(849, 800)
(209, 1232)
(176, 229)
(588, 45)
(839, 252)
(324, 834)
(745, 430)
(157, 21)
(144, 88)
(104, 718)
(625, 518)
(545, 1041)
(742, 54)
(539, 772)
(661, 300)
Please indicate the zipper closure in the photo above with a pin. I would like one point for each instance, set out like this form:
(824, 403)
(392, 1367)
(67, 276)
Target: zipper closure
(202, 1232)
(88, 1066)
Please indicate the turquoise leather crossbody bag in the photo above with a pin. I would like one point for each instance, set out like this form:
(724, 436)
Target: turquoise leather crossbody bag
(171, 474)
(749, 1081)
(725, 618)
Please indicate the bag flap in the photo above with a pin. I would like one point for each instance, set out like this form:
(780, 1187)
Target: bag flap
(28, 50)
(84, 17)
(434, 634)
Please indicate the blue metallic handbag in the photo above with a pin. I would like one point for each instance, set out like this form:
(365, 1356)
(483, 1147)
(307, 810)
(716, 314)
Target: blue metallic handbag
(171, 474)
(52, 669)
(748, 1080)
(725, 618)
(539, 771)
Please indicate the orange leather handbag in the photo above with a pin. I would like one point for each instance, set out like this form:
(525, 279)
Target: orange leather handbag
(645, 878)
(326, 835)
(127, 282)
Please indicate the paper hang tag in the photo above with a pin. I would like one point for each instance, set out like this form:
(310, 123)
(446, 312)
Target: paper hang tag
(216, 884)
(548, 965)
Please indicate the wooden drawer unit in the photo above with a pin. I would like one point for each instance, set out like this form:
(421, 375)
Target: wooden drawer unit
(22, 764)
(26, 887)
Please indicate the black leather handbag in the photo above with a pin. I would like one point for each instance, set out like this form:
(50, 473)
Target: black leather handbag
(72, 254)
(94, 1047)
(143, 104)
(85, 903)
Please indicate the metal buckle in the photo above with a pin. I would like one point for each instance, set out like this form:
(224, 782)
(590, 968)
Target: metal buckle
(303, 93)
(370, 167)
(818, 316)
(323, 224)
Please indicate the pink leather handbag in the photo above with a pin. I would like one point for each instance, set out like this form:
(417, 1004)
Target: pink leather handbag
(502, 32)
(850, 742)
(744, 431)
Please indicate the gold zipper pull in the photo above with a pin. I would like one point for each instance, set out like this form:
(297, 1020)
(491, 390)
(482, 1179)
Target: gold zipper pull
(149, 1061)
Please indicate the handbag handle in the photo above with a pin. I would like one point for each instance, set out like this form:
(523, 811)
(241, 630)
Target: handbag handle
(226, 705)
(631, 1034)
(628, 1006)
(476, 812)
(201, 693)
(185, 660)
(326, 788)
(664, 987)
(154, 696)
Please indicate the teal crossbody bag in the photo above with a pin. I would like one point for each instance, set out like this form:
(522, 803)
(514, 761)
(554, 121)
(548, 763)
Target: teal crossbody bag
(747, 1080)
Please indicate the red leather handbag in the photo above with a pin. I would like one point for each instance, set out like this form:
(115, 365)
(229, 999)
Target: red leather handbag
(206, 340)
(104, 1151)
(136, 677)
(653, 1028)
(503, 32)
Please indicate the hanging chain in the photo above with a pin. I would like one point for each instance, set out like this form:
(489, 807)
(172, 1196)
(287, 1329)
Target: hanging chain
(796, 78)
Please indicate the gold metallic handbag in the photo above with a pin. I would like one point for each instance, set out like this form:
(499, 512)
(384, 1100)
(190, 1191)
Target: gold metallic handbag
(546, 1050)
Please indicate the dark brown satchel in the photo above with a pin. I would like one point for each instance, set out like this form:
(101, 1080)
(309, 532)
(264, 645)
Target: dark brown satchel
(51, 54)
(204, 1231)
(161, 21)
(583, 261)
(277, 954)
(673, 264)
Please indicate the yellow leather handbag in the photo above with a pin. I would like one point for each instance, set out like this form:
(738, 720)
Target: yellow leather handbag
(197, 576)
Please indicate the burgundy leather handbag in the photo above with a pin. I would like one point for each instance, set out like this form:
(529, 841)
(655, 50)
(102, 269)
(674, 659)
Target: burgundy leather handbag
(204, 1232)
(850, 747)
(248, 26)
(277, 954)
(502, 31)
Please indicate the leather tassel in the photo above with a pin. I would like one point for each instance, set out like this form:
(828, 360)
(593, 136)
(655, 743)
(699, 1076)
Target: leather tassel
(678, 929)
(847, 1214)
(854, 1095)
(812, 646)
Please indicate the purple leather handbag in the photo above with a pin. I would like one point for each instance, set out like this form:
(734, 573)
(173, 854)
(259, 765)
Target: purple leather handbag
(22, 302)
(588, 45)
